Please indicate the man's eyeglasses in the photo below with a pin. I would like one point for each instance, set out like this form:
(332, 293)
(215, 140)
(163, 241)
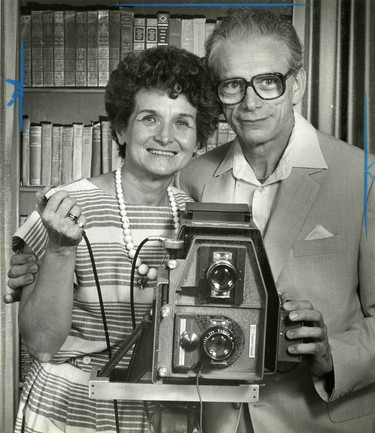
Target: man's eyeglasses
(266, 86)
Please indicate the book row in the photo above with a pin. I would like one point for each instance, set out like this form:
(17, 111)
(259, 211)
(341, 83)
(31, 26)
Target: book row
(80, 48)
(58, 154)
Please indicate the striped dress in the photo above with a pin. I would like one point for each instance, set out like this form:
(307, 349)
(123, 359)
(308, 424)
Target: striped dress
(55, 395)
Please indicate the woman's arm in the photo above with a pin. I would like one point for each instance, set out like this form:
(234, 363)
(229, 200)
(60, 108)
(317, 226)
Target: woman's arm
(46, 305)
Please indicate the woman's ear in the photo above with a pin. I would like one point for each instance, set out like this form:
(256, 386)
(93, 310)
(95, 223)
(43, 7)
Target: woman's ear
(121, 137)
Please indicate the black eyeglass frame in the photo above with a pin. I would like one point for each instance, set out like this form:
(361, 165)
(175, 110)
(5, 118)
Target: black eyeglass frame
(283, 78)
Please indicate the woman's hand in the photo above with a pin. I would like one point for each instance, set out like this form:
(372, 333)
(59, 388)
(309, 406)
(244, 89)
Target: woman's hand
(62, 218)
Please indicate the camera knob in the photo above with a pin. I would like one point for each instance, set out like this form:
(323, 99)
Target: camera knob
(189, 341)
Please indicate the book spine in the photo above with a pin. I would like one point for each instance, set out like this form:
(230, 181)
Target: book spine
(56, 155)
(175, 32)
(25, 24)
(92, 48)
(35, 154)
(70, 48)
(66, 154)
(36, 48)
(127, 31)
(46, 152)
(187, 35)
(209, 28)
(116, 158)
(139, 33)
(199, 35)
(77, 151)
(86, 151)
(163, 29)
(81, 49)
(106, 138)
(96, 151)
(58, 48)
(114, 39)
(103, 47)
(48, 79)
(222, 132)
(26, 151)
(151, 32)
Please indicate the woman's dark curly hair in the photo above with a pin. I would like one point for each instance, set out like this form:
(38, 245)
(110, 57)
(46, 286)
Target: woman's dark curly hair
(168, 69)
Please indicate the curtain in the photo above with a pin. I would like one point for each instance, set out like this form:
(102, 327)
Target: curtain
(9, 148)
(340, 97)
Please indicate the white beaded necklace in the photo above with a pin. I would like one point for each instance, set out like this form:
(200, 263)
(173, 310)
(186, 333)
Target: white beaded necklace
(142, 269)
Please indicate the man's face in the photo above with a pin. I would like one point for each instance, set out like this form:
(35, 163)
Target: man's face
(257, 121)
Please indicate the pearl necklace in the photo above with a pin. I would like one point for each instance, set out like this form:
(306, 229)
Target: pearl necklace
(143, 270)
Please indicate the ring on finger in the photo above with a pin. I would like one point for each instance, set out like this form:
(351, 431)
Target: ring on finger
(72, 217)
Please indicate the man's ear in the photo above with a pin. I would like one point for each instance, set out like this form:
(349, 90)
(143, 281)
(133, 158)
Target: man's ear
(299, 85)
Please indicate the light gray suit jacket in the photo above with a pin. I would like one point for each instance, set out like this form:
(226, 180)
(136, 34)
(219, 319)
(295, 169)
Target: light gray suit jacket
(336, 274)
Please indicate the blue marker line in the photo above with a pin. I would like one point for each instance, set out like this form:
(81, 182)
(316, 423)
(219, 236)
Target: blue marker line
(211, 4)
(18, 89)
(367, 167)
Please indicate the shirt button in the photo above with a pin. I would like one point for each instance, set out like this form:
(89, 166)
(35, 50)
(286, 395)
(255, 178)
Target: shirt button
(260, 189)
(86, 360)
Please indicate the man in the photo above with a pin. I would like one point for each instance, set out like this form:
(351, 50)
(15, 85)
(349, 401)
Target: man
(305, 189)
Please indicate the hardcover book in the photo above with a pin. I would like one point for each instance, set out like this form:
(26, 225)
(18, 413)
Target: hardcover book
(66, 154)
(58, 48)
(187, 34)
(77, 151)
(92, 48)
(163, 28)
(56, 155)
(139, 33)
(86, 151)
(199, 38)
(175, 32)
(46, 153)
(70, 48)
(48, 72)
(151, 32)
(114, 39)
(96, 161)
(127, 29)
(25, 25)
(106, 137)
(35, 154)
(81, 49)
(103, 47)
(37, 48)
(25, 173)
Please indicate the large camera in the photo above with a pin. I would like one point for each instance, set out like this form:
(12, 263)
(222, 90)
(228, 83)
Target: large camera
(217, 310)
(216, 316)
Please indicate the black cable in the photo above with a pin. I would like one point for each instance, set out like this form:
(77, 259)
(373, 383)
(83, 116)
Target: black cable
(132, 275)
(99, 293)
(104, 319)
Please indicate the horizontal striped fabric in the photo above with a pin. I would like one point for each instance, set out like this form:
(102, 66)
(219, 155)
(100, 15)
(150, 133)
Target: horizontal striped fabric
(55, 394)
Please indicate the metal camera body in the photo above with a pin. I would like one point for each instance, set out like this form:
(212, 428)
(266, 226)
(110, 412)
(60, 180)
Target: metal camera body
(216, 308)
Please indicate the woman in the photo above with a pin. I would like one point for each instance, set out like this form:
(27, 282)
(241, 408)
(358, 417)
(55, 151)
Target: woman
(161, 105)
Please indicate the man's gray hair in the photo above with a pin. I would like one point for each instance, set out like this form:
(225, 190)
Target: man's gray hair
(244, 23)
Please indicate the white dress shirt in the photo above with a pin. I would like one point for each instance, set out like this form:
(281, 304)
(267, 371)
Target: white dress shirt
(303, 150)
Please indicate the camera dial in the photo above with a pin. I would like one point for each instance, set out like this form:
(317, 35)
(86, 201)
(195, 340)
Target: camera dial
(218, 343)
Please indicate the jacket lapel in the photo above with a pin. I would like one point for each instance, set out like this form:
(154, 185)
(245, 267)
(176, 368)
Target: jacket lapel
(296, 195)
(219, 189)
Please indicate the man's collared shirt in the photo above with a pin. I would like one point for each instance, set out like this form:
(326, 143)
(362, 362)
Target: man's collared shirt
(302, 151)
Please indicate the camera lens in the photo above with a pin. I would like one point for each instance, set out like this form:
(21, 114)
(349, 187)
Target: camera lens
(218, 343)
(222, 276)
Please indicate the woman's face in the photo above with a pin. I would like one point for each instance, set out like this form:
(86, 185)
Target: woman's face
(161, 135)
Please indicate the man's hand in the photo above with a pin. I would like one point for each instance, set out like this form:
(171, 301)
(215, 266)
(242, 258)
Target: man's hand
(314, 347)
(23, 268)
